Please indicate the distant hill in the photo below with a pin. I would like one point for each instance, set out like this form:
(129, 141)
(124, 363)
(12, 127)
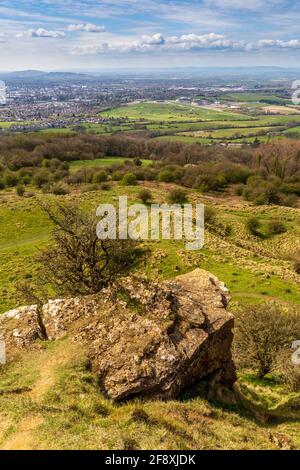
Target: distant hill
(38, 75)
(258, 72)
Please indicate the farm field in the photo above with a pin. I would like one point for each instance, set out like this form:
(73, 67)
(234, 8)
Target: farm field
(227, 133)
(254, 98)
(76, 164)
(169, 111)
(57, 131)
(273, 109)
(174, 121)
(8, 124)
(177, 122)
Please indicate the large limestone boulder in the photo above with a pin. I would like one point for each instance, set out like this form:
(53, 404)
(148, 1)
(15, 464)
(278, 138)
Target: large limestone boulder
(143, 339)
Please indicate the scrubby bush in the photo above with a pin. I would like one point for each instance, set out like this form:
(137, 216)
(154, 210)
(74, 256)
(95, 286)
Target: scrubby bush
(177, 196)
(210, 215)
(100, 177)
(253, 225)
(275, 227)
(288, 371)
(11, 178)
(239, 189)
(289, 200)
(166, 176)
(26, 180)
(59, 189)
(145, 196)
(296, 261)
(129, 179)
(41, 178)
(209, 182)
(266, 192)
(20, 190)
(137, 162)
(262, 334)
(117, 176)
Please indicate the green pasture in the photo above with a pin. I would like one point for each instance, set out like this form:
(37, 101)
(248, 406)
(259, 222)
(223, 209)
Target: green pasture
(254, 97)
(104, 162)
(170, 111)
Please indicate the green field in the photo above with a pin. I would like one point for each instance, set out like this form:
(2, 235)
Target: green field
(233, 132)
(8, 124)
(183, 138)
(110, 161)
(178, 122)
(295, 129)
(173, 121)
(170, 112)
(254, 97)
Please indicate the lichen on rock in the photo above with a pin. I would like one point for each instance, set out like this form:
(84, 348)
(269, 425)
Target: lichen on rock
(142, 338)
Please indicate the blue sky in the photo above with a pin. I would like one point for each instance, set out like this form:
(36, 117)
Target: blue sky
(94, 34)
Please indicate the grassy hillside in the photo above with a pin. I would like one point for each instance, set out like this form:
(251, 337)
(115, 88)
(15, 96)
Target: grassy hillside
(49, 397)
(50, 400)
(254, 268)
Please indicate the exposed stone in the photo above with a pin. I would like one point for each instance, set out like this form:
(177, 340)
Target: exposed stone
(142, 338)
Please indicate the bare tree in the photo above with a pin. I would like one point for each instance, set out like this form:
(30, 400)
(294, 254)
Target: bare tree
(77, 262)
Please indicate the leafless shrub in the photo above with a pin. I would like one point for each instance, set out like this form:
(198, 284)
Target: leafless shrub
(77, 261)
(263, 334)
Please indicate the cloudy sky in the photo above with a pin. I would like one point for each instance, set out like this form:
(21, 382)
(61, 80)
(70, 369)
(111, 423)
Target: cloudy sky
(96, 34)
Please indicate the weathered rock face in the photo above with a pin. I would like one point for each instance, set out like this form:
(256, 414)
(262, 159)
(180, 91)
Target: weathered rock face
(142, 338)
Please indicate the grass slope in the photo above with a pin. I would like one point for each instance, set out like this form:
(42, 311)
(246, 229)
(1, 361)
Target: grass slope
(49, 399)
(254, 269)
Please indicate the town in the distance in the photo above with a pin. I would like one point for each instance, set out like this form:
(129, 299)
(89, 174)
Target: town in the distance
(211, 106)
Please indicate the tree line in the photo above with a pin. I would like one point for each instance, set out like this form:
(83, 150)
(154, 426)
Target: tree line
(264, 174)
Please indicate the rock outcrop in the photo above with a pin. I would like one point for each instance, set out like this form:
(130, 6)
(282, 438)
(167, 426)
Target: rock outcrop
(142, 339)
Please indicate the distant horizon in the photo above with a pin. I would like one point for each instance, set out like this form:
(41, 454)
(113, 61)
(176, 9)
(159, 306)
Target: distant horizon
(136, 68)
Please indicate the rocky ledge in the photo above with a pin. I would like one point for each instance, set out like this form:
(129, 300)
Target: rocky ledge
(142, 339)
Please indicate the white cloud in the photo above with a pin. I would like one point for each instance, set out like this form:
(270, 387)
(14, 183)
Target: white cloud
(273, 43)
(87, 27)
(155, 39)
(40, 33)
(185, 42)
(202, 41)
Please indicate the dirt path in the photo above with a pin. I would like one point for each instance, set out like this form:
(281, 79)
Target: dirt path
(23, 437)
(50, 367)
